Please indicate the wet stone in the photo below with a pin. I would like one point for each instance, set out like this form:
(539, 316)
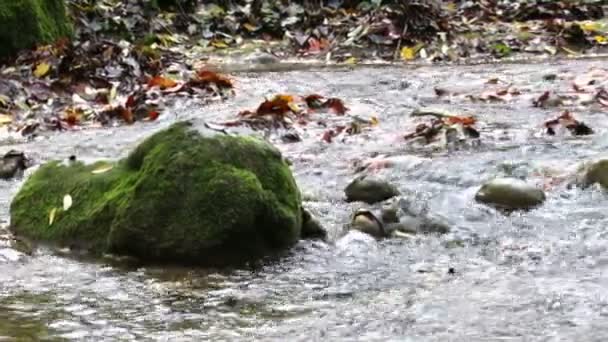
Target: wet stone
(365, 221)
(369, 190)
(510, 193)
(596, 173)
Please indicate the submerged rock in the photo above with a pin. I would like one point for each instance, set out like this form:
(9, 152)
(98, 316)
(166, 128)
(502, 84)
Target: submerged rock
(510, 193)
(12, 163)
(180, 196)
(369, 190)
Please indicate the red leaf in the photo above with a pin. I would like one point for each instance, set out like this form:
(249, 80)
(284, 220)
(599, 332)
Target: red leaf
(130, 101)
(328, 136)
(336, 105)
(153, 115)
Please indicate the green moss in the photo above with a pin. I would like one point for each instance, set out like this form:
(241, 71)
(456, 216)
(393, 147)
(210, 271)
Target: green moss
(178, 196)
(25, 23)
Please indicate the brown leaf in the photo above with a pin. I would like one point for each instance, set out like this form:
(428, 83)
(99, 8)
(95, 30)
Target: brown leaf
(161, 82)
(540, 102)
(463, 120)
(336, 105)
(207, 76)
(279, 105)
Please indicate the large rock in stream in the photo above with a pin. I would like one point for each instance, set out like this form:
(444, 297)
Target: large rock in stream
(510, 194)
(181, 196)
(25, 23)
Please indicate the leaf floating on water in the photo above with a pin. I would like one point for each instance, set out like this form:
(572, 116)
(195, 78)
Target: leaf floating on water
(42, 69)
(67, 202)
(52, 215)
(102, 169)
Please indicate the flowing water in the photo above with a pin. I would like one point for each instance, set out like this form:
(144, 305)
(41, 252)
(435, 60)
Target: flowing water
(540, 275)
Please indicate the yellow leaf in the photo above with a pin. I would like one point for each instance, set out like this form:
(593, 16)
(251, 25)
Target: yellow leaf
(408, 53)
(294, 107)
(249, 27)
(52, 216)
(374, 121)
(590, 26)
(42, 69)
(351, 60)
(102, 169)
(601, 39)
(67, 202)
(5, 119)
(219, 44)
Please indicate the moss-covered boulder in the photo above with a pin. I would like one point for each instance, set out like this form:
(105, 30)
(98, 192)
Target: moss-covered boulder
(181, 196)
(25, 23)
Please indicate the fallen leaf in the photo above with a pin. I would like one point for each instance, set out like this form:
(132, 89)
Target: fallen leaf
(161, 82)
(314, 101)
(102, 169)
(278, 105)
(127, 115)
(215, 78)
(351, 60)
(408, 53)
(52, 214)
(5, 119)
(67, 202)
(219, 44)
(42, 69)
(540, 101)
(463, 120)
(73, 116)
(336, 105)
(153, 115)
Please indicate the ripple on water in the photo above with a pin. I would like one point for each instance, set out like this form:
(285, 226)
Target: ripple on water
(538, 275)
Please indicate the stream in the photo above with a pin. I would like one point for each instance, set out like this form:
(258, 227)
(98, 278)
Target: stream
(533, 276)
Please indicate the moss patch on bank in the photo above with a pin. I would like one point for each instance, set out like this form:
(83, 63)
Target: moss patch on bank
(179, 196)
(25, 23)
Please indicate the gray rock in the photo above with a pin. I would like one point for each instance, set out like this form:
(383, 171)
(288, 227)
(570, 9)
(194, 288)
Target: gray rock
(510, 194)
(369, 190)
(12, 163)
(595, 172)
(390, 213)
(418, 225)
(311, 227)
